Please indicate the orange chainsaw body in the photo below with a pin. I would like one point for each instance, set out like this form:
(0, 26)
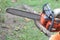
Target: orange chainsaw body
(47, 23)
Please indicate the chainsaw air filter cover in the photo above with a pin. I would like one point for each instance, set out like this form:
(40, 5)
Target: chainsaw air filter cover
(57, 12)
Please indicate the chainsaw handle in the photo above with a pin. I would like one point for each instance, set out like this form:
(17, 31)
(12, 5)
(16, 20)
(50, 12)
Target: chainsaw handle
(52, 23)
(42, 28)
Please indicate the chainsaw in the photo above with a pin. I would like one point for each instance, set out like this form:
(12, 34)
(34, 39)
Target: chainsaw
(46, 18)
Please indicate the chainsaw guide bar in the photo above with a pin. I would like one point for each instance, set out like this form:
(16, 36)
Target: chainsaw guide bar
(23, 13)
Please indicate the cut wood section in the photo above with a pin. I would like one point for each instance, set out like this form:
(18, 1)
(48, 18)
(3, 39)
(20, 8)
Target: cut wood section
(55, 36)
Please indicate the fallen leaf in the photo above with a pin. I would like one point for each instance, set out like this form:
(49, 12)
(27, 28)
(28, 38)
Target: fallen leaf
(14, 0)
(27, 20)
(0, 10)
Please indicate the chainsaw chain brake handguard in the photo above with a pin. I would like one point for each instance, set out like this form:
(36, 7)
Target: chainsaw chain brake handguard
(49, 15)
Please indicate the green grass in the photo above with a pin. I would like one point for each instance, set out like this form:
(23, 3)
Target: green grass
(29, 32)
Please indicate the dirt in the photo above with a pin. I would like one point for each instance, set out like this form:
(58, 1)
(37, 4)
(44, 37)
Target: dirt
(12, 23)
